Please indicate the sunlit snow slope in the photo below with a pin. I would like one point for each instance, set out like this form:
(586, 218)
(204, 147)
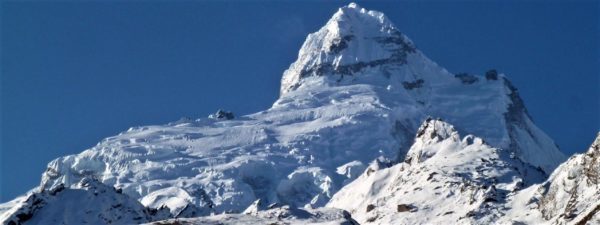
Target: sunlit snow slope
(570, 196)
(445, 179)
(358, 91)
(90, 202)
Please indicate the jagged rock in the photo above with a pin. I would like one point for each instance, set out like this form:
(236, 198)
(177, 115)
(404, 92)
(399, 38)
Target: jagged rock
(222, 115)
(370, 207)
(414, 84)
(340, 44)
(404, 208)
(466, 78)
(491, 75)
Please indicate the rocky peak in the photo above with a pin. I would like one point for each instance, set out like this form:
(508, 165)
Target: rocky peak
(431, 133)
(222, 115)
(354, 39)
(435, 130)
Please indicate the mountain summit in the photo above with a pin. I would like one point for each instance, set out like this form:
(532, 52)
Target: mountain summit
(362, 47)
(354, 39)
(360, 98)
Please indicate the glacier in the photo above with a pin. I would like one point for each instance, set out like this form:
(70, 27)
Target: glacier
(349, 106)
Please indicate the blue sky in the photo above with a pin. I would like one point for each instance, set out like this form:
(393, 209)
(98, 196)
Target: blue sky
(75, 73)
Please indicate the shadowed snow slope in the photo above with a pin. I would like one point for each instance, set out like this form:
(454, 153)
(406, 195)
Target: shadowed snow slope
(357, 92)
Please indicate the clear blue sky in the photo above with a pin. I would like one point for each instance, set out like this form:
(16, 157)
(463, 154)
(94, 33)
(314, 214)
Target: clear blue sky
(74, 73)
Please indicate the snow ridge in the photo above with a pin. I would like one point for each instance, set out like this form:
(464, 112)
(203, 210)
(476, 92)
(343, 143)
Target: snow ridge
(441, 171)
(91, 202)
(569, 196)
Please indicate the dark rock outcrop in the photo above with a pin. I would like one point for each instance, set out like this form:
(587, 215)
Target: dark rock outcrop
(222, 115)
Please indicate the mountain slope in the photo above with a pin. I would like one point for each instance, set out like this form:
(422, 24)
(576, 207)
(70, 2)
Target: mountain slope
(357, 92)
(283, 215)
(445, 179)
(570, 196)
(358, 46)
(90, 203)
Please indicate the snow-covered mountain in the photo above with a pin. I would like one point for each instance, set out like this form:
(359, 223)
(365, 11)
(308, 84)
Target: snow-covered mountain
(570, 196)
(445, 179)
(91, 202)
(358, 47)
(353, 100)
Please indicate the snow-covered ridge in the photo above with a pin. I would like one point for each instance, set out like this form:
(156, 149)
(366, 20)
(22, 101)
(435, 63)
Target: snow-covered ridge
(445, 179)
(448, 179)
(91, 202)
(570, 196)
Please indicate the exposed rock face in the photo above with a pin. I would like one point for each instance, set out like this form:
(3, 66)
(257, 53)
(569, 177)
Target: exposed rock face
(466, 78)
(570, 192)
(412, 85)
(525, 138)
(370, 207)
(491, 75)
(404, 208)
(222, 115)
(591, 163)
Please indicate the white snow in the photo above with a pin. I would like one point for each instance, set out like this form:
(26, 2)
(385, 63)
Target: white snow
(90, 202)
(355, 97)
(443, 180)
(283, 215)
(376, 53)
(173, 197)
(571, 194)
